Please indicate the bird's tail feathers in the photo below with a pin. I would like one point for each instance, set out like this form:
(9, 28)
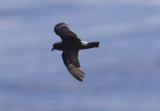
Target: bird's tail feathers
(87, 45)
(93, 44)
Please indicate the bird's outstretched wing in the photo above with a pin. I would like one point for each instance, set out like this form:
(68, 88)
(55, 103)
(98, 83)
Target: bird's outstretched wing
(64, 32)
(70, 59)
(67, 35)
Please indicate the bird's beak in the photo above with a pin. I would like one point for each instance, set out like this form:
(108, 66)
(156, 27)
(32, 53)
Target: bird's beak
(52, 49)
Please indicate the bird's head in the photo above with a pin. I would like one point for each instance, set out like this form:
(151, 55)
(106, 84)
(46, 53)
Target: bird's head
(59, 28)
(57, 46)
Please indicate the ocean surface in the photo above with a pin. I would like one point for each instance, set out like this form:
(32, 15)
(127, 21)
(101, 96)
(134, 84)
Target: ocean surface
(123, 74)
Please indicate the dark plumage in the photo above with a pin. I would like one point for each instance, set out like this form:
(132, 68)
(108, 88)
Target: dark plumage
(70, 45)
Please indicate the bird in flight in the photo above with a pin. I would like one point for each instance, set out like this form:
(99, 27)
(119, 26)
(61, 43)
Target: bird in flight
(70, 45)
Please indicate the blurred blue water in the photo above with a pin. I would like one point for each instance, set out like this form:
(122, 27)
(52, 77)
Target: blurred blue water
(121, 75)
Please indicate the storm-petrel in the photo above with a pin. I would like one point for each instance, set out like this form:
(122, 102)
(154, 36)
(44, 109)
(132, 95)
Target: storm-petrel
(70, 45)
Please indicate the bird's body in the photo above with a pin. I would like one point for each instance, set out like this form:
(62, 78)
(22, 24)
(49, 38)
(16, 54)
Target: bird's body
(70, 45)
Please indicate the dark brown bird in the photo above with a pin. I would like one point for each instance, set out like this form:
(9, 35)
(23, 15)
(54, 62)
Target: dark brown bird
(70, 45)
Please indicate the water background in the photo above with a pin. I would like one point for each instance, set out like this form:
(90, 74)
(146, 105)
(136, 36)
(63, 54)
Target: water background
(123, 74)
